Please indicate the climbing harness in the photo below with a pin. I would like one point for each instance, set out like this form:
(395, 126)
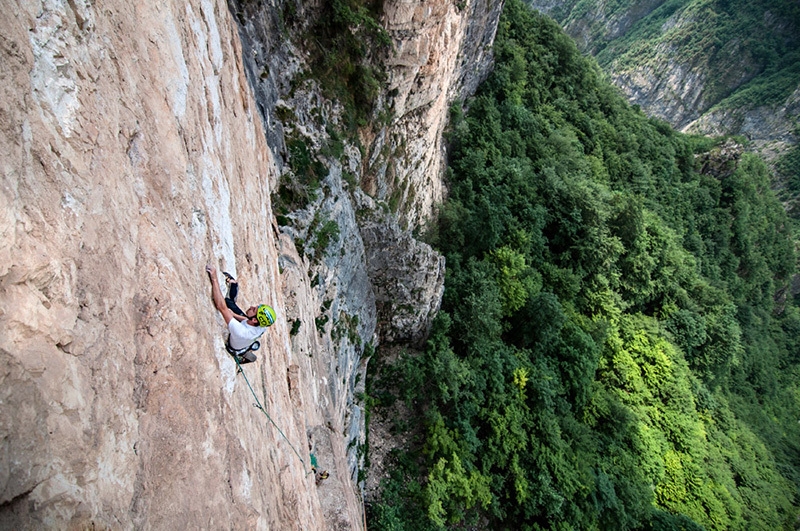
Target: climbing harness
(264, 411)
(246, 355)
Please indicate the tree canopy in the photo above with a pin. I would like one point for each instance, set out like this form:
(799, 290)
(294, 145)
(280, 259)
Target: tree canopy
(613, 350)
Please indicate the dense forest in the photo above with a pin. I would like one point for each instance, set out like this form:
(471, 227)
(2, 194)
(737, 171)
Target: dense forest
(617, 348)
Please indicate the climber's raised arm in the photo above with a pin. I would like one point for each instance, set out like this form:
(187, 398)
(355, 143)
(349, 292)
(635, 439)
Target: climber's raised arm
(216, 294)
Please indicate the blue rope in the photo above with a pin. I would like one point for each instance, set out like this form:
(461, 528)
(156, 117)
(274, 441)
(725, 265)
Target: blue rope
(259, 406)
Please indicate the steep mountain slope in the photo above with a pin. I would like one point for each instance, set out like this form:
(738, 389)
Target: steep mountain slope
(710, 67)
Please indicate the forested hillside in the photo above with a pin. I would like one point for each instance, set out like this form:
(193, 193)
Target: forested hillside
(615, 348)
(758, 35)
(713, 66)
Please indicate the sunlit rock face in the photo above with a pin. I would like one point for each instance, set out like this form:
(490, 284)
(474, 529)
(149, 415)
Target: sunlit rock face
(441, 51)
(140, 142)
(132, 154)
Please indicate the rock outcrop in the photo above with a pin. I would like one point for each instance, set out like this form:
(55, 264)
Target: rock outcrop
(771, 129)
(408, 277)
(139, 142)
(722, 161)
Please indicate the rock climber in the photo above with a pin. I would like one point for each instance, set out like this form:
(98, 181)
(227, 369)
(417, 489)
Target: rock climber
(244, 327)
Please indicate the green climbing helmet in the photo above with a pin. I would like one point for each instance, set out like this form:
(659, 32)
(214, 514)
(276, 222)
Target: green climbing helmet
(265, 315)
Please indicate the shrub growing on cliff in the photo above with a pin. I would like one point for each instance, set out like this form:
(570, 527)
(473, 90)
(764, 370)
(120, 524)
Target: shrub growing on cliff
(324, 234)
(301, 186)
(345, 42)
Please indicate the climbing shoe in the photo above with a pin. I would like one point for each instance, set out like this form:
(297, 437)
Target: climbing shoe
(247, 357)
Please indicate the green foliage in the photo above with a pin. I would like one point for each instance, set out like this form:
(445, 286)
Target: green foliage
(303, 184)
(788, 168)
(340, 42)
(326, 232)
(609, 354)
(295, 327)
(748, 50)
(450, 490)
(515, 279)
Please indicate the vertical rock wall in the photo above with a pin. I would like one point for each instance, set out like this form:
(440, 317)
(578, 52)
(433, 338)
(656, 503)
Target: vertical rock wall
(441, 51)
(373, 281)
(132, 153)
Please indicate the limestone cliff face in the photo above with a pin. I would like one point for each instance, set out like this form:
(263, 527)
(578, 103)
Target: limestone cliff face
(373, 282)
(771, 129)
(442, 51)
(139, 142)
(132, 154)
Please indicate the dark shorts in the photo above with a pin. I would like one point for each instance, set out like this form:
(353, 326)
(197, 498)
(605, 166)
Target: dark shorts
(230, 300)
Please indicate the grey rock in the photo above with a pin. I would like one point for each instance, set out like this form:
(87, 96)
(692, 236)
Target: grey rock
(408, 277)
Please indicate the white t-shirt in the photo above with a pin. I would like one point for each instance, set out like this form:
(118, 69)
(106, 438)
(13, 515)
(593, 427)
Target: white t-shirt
(242, 334)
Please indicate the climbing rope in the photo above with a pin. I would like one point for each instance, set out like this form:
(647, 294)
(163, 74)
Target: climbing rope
(264, 411)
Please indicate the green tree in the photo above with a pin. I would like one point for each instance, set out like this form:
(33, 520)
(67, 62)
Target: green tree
(610, 351)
